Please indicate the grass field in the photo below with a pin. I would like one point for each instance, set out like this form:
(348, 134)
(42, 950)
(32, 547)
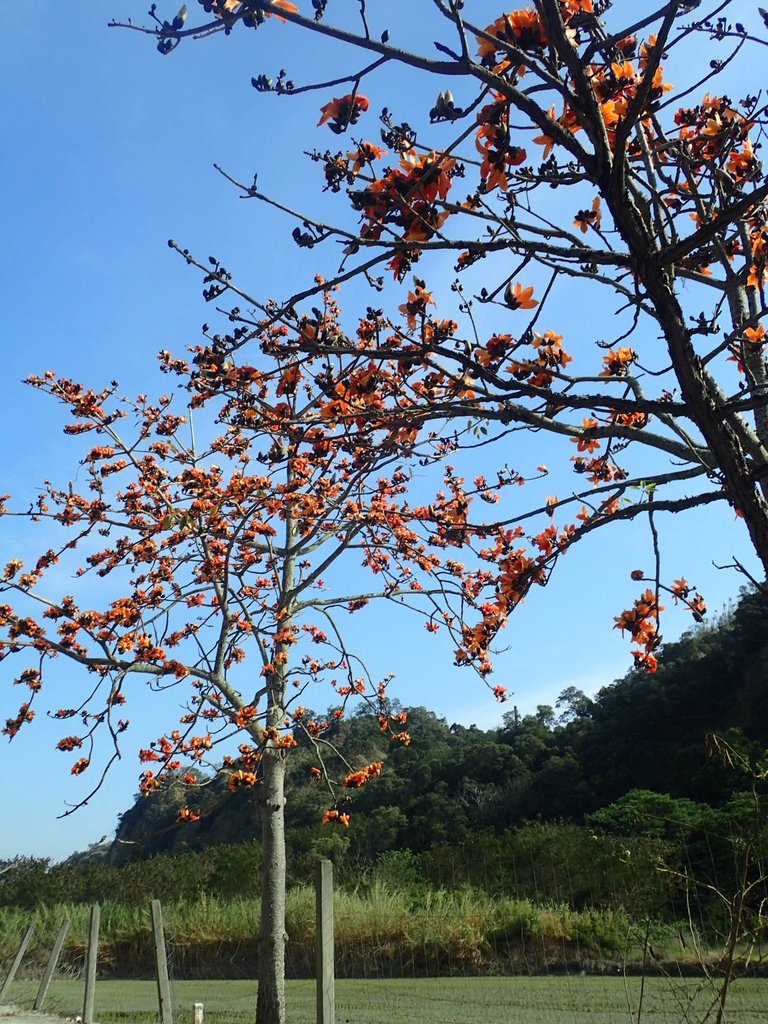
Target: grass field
(538, 1000)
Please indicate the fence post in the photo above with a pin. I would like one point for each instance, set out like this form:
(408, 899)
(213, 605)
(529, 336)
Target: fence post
(161, 964)
(90, 964)
(326, 1003)
(42, 992)
(197, 1013)
(16, 961)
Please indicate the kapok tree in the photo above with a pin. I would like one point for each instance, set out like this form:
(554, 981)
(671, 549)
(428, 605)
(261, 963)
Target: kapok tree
(562, 166)
(197, 545)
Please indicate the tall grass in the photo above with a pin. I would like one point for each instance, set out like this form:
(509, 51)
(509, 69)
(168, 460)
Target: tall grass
(379, 933)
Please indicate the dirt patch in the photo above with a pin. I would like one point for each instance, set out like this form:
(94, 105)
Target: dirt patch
(15, 1015)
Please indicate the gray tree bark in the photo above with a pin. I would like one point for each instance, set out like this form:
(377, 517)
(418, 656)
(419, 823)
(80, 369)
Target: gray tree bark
(270, 1006)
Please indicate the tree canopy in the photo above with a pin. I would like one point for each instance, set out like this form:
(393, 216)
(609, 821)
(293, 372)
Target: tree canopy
(561, 170)
(566, 170)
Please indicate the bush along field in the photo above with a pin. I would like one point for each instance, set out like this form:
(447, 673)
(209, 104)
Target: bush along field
(379, 934)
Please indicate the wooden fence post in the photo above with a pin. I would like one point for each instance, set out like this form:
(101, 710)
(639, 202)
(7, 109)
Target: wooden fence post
(161, 964)
(90, 964)
(42, 992)
(326, 1003)
(16, 961)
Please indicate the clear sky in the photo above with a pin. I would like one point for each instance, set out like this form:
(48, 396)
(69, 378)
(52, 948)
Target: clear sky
(108, 151)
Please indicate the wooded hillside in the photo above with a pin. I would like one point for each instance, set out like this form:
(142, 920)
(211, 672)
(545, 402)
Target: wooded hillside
(559, 764)
(563, 788)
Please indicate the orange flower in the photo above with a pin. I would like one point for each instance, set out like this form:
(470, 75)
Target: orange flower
(545, 541)
(742, 163)
(546, 140)
(680, 588)
(517, 297)
(342, 112)
(357, 779)
(430, 172)
(493, 142)
(618, 361)
(588, 218)
(629, 419)
(12, 568)
(69, 743)
(522, 28)
(285, 5)
(612, 111)
(233, 6)
(424, 224)
(336, 817)
(416, 306)
(585, 443)
(755, 334)
(243, 716)
(698, 608)
(574, 6)
(757, 276)
(365, 153)
(624, 74)
(645, 661)
(290, 378)
(241, 780)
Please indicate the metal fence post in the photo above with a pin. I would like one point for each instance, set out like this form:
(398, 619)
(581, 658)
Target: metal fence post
(53, 959)
(326, 1003)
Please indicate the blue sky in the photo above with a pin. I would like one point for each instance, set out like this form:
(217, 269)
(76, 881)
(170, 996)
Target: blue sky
(108, 152)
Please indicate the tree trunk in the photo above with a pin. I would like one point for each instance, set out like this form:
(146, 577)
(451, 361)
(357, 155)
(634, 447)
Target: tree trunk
(270, 1005)
(726, 435)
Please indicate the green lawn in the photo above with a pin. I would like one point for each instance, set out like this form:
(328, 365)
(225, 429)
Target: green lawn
(553, 1000)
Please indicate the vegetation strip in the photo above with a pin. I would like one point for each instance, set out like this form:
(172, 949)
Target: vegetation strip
(549, 1000)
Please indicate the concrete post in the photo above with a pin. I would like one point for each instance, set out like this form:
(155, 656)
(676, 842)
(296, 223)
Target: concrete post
(16, 961)
(326, 1003)
(42, 992)
(91, 960)
(161, 964)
